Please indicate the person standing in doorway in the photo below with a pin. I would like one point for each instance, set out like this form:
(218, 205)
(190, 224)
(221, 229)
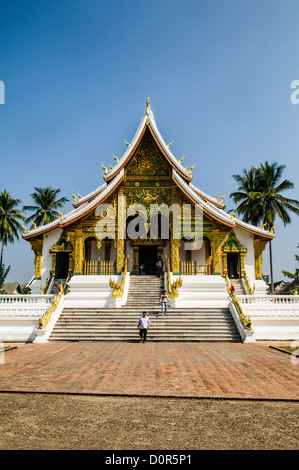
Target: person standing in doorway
(143, 325)
(159, 267)
(164, 301)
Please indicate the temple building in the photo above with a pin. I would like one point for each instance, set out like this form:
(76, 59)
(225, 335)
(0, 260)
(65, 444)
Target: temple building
(119, 225)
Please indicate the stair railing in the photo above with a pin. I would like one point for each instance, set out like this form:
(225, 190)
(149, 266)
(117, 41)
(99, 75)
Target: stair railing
(173, 287)
(244, 319)
(250, 290)
(119, 288)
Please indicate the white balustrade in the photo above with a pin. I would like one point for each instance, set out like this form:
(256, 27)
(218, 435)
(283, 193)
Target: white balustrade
(270, 305)
(24, 305)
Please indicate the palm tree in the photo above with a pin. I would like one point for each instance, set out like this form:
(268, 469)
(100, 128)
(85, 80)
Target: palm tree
(3, 274)
(248, 184)
(47, 206)
(264, 201)
(10, 216)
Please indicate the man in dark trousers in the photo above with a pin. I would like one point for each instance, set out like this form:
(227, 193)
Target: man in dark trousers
(143, 325)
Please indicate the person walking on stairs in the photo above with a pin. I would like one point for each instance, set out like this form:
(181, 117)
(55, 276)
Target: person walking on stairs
(164, 301)
(143, 325)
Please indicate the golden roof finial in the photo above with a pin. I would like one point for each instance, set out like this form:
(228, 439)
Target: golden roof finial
(24, 228)
(104, 168)
(263, 226)
(79, 195)
(115, 158)
(216, 195)
(148, 107)
(169, 145)
(234, 214)
(61, 215)
(191, 168)
(127, 143)
(33, 224)
(75, 198)
(222, 199)
(272, 229)
(181, 159)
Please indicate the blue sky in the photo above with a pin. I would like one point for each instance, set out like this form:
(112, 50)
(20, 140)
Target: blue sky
(77, 72)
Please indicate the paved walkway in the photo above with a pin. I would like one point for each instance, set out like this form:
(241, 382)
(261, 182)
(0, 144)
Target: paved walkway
(201, 370)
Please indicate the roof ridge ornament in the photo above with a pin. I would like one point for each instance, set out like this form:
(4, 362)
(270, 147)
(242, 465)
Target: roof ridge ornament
(104, 168)
(148, 107)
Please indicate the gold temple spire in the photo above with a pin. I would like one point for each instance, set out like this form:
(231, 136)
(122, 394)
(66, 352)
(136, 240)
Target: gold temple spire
(115, 158)
(148, 107)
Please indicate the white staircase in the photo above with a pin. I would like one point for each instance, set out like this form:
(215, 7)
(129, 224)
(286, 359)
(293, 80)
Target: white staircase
(120, 324)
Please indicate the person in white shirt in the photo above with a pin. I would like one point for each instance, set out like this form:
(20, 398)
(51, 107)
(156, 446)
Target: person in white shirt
(143, 325)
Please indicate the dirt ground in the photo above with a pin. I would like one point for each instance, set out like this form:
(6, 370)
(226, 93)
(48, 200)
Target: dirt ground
(70, 422)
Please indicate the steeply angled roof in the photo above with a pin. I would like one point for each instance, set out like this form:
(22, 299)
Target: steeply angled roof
(148, 121)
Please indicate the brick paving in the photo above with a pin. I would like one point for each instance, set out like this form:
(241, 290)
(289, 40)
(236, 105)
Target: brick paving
(199, 370)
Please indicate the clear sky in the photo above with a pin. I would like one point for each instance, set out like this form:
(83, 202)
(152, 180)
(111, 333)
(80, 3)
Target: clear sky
(76, 76)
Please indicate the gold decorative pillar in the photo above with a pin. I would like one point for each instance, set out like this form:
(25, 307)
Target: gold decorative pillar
(135, 260)
(53, 263)
(121, 228)
(224, 265)
(218, 239)
(78, 258)
(37, 247)
(259, 247)
(175, 255)
(242, 263)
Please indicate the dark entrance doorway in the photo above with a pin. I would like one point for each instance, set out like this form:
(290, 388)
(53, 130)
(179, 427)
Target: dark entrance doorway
(233, 265)
(148, 257)
(62, 266)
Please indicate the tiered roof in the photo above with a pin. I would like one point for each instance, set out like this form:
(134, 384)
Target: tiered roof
(181, 176)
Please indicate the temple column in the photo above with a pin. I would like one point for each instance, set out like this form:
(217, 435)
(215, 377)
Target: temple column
(175, 255)
(242, 263)
(135, 260)
(259, 247)
(37, 247)
(121, 229)
(218, 239)
(78, 258)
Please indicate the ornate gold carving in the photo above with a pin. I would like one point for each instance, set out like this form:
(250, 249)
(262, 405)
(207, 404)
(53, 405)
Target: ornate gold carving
(259, 247)
(118, 289)
(147, 161)
(43, 322)
(244, 319)
(37, 247)
(175, 255)
(173, 287)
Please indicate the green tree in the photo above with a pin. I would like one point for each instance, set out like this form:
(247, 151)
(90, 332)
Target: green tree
(248, 184)
(46, 208)
(10, 218)
(263, 201)
(294, 275)
(3, 274)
